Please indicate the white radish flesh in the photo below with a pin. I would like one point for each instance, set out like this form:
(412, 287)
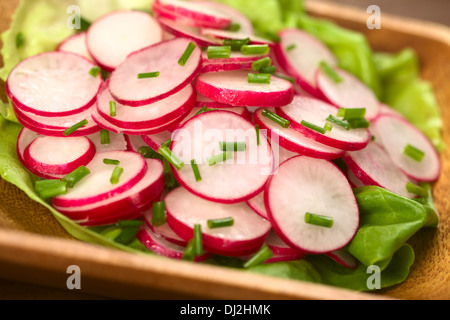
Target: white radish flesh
(257, 204)
(76, 44)
(232, 35)
(164, 231)
(117, 142)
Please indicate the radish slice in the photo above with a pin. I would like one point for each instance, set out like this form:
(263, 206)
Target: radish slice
(185, 210)
(237, 179)
(257, 204)
(108, 220)
(47, 156)
(117, 142)
(294, 141)
(344, 258)
(164, 231)
(235, 57)
(225, 34)
(222, 67)
(26, 136)
(300, 55)
(316, 112)
(149, 116)
(373, 166)
(155, 141)
(232, 87)
(97, 185)
(76, 44)
(114, 36)
(354, 181)
(39, 84)
(292, 192)
(284, 257)
(394, 133)
(349, 93)
(127, 89)
(279, 247)
(162, 247)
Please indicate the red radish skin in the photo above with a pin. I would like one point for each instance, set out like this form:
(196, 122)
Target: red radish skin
(164, 231)
(184, 210)
(232, 87)
(114, 36)
(222, 67)
(155, 141)
(281, 258)
(344, 258)
(134, 143)
(163, 57)
(290, 193)
(76, 44)
(279, 247)
(39, 84)
(257, 204)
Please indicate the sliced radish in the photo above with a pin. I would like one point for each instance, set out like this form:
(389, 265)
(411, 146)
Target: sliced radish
(232, 87)
(164, 231)
(117, 142)
(47, 156)
(394, 133)
(76, 44)
(316, 112)
(97, 185)
(279, 247)
(89, 222)
(354, 181)
(127, 89)
(257, 204)
(235, 57)
(225, 34)
(26, 136)
(114, 36)
(300, 55)
(373, 166)
(40, 84)
(155, 141)
(294, 141)
(237, 179)
(222, 67)
(349, 93)
(246, 235)
(284, 257)
(294, 190)
(344, 258)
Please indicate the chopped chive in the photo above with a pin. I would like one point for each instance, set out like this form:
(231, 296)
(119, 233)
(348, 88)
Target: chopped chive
(198, 240)
(127, 235)
(236, 44)
(291, 47)
(234, 27)
(115, 177)
(359, 123)
(260, 257)
(166, 143)
(111, 232)
(268, 69)
(258, 138)
(128, 223)
(259, 78)
(111, 161)
(261, 63)
(328, 126)
(95, 71)
(147, 75)
(219, 158)
(330, 72)
(414, 153)
(219, 223)
(318, 220)
(232, 146)
(255, 49)
(169, 156)
(287, 78)
(50, 188)
(197, 175)
(218, 52)
(372, 138)
(112, 108)
(75, 176)
(313, 126)
(188, 253)
(169, 178)
(149, 153)
(75, 127)
(104, 137)
(351, 113)
(20, 40)
(205, 109)
(186, 54)
(412, 188)
(342, 123)
(159, 213)
(276, 118)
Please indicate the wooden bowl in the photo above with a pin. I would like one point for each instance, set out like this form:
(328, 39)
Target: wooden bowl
(35, 248)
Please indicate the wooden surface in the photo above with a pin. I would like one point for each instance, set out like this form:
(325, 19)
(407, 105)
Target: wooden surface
(22, 222)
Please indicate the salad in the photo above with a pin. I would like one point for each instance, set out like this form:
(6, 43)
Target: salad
(206, 132)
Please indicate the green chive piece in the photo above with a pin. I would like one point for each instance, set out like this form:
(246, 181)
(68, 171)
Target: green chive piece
(127, 235)
(159, 213)
(342, 123)
(287, 78)
(249, 49)
(236, 44)
(95, 71)
(149, 153)
(359, 123)
(261, 63)
(258, 138)
(188, 254)
(112, 108)
(351, 113)
(115, 177)
(218, 52)
(414, 153)
(169, 178)
(198, 240)
(104, 137)
(219, 158)
(259, 78)
(111, 161)
(75, 176)
(128, 223)
(276, 118)
(166, 143)
(220, 223)
(291, 47)
(232, 146)
(328, 126)
(372, 138)
(259, 257)
(205, 109)
(268, 69)
(75, 127)
(111, 232)
(313, 126)
(20, 40)
(148, 75)
(186, 54)
(415, 189)
(169, 156)
(330, 72)
(318, 220)
(234, 27)
(50, 188)
(197, 175)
